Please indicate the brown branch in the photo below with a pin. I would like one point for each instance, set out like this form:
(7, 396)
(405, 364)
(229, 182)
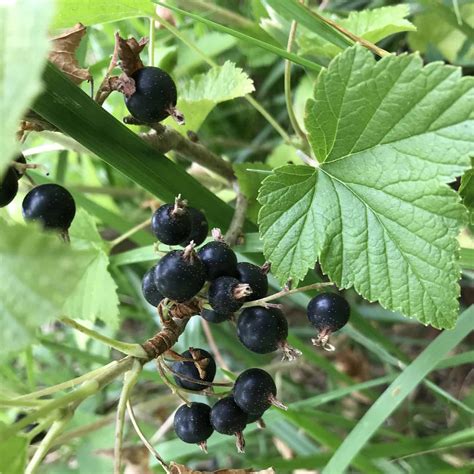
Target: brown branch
(238, 220)
(165, 139)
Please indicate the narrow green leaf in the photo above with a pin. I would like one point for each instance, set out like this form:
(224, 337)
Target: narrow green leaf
(467, 258)
(398, 390)
(92, 12)
(23, 34)
(377, 212)
(43, 271)
(256, 42)
(71, 110)
(294, 10)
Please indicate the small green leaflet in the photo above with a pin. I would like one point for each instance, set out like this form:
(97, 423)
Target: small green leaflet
(23, 34)
(377, 213)
(13, 454)
(38, 272)
(372, 25)
(95, 295)
(203, 92)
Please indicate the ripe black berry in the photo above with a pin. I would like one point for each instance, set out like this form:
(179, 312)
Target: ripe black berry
(8, 187)
(51, 205)
(227, 294)
(262, 330)
(192, 424)
(228, 418)
(171, 223)
(219, 260)
(215, 317)
(155, 95)
(255, 277)
(203, 368)
(327, 312)
(199, 227)
(179, 275)
(149, 289)
(254, 391)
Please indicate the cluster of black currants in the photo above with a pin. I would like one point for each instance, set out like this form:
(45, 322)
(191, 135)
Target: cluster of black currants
(181, 275)
(252, 394)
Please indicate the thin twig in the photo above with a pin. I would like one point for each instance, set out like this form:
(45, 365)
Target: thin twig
(280, 294)
(126, 235)
(212, 344)
(129, 381)
(104, 90)
(238, 219)
(145, 441)
(165, 139)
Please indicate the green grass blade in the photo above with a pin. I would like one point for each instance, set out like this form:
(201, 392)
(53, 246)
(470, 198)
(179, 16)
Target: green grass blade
(249, 39)
(400, 388)
(294, 10)
(466, 258)
(71, 110)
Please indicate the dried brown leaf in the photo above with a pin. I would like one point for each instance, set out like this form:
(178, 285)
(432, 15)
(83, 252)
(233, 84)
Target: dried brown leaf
(180, 469)
(129, 53)
(63, 53)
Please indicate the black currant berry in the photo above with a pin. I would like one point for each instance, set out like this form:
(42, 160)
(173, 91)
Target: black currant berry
(8, 187)
(262, 330)
(182, 371)
(228, 418)
(219, 260)
(199, 227)
(171, 223)
(21, 160)
(227, 294)
(179, 275)
(214, 317)
(149, 289)
(51, 205)
(192, 424)
(255, 277)
(327, 312)
(155, 95)
(254, 391)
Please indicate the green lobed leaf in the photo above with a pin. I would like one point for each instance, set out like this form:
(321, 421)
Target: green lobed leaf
(23, 33)
(377, 212)
(92, 12)
(38, 272)
(203, 92)
(372, 25)
(95, 295)
(13, 454)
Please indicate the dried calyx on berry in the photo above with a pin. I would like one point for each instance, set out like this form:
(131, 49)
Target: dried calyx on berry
(51, 205)
(218, 258)
(227, 294)
(264, 330)
(254, 276)
(229, 419)
(192, 424)
(180, 274)
(149, 289)
(327, 312)
(171, 223)
(255, 391)
(197, 365)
